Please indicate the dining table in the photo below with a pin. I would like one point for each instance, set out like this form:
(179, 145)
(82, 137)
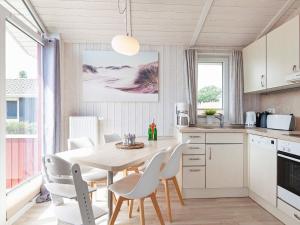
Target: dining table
(112, 159)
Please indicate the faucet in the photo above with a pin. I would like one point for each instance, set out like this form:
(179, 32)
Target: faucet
(220, 117)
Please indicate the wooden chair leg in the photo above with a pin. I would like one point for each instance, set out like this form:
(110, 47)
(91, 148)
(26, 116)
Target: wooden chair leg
(114, 199)
(116, 211)
(130, 208)
(178, 190)
(142, 212)
(167, 194)
(157, 209)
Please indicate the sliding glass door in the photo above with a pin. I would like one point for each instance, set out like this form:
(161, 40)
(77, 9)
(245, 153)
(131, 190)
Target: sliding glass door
(20, 113)
(23, 107)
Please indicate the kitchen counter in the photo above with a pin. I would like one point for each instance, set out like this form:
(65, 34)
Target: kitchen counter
(283, 135)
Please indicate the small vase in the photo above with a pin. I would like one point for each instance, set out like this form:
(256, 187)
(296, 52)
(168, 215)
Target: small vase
(210, 120)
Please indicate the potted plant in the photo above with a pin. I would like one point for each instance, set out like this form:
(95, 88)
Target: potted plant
(210, 115)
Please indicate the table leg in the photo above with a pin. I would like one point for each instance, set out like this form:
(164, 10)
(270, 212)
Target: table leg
(110, 180)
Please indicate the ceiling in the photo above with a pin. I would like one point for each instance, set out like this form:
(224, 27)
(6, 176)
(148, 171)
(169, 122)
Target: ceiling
(227, 23)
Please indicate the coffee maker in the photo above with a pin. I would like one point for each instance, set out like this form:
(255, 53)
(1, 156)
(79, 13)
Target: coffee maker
(182, 114)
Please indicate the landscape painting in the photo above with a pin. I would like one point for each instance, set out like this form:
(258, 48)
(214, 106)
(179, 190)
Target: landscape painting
(111, 77)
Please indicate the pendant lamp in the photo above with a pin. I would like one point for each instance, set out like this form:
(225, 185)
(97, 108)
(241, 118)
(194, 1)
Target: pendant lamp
(126, 44)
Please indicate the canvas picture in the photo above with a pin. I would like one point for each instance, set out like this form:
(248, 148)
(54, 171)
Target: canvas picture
(110, 77)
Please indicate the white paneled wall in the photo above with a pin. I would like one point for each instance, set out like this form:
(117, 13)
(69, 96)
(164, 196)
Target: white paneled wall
(121, 117)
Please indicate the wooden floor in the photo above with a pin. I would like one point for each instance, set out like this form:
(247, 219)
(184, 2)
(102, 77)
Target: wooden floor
(224, 211)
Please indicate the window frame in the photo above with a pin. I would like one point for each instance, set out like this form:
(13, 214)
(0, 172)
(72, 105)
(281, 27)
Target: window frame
(224, 59)
(6, 16)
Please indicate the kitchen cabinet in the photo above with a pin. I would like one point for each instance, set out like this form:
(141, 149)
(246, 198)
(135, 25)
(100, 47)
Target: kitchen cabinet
(255, 66)
(282, 53)
(263, 167)
(224, 166)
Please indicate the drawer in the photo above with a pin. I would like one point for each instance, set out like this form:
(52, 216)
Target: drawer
(289, 210)
(194, 138)
(193, 160)
(224, 138)
(193, 177)
(194, 149)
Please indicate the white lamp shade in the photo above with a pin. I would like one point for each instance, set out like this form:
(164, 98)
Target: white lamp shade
(125, 45)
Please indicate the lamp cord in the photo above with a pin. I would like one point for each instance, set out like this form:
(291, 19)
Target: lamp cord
(125, 10)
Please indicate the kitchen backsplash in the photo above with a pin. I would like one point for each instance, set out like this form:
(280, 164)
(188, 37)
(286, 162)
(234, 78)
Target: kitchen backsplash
(285, 101)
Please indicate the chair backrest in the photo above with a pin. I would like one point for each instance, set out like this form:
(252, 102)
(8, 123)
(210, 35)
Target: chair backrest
(85, 126)
(82, 142)
(84, 202)
(150, 178)
(112, 138)
(172, 167)
(58, 170)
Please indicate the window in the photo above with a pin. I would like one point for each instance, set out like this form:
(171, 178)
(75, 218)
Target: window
(213, 80)
(12, 109)
(23, 124)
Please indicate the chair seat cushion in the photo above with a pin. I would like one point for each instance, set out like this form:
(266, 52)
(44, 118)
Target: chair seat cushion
(70, 213)
(125, 185)
(93, 174)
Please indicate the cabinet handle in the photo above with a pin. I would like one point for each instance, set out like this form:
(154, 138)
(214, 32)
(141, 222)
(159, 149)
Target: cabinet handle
(261, 80)
(194, 148)
(195, 170)
(296, 216)
(194, 159)
(294, 68)
(194, 136)
(210, 153)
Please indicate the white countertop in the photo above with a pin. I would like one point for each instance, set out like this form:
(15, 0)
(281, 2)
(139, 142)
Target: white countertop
(283, 135)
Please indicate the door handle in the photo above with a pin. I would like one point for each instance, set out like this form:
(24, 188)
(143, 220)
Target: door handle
(261, 80)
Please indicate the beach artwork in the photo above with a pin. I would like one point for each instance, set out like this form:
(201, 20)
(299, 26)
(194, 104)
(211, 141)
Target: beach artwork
(110, 77)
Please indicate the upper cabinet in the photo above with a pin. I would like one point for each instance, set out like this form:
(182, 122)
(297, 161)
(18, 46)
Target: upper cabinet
(269, 60)
(255, 66)
(282, 53)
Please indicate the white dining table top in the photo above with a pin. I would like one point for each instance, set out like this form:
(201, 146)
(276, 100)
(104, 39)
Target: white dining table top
(110, 158)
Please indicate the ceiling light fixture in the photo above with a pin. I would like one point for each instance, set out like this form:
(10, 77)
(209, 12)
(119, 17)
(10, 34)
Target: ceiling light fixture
(126, 44)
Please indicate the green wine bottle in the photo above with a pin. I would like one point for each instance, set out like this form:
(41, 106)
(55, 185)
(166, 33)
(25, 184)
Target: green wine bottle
(155, 134)
(150, 135)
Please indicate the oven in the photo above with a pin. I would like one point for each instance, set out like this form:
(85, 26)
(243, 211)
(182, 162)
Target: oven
(288, 173)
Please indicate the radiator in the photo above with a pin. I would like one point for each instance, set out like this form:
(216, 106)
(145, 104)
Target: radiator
(84, 126)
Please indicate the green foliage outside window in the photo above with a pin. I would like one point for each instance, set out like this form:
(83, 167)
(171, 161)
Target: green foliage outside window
(209, 94)
(16, 127)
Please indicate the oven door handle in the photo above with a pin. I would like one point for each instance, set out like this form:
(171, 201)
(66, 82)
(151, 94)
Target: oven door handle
(287, 157)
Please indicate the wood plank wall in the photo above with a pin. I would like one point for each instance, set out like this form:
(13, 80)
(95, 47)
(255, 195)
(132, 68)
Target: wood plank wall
(122, 117)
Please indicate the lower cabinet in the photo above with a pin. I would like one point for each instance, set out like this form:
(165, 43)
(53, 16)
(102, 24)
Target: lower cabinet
(224, 166)
(193, 177)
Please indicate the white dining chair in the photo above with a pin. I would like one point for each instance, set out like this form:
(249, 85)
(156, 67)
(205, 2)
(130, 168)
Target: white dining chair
(82, 142)
(108, 138)
(58, 171)
(139, 186)
(169, 172)
(92, 175)
(76, 212)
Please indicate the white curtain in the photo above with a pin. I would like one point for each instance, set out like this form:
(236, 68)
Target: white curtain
(236, 89)
(190, 64)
